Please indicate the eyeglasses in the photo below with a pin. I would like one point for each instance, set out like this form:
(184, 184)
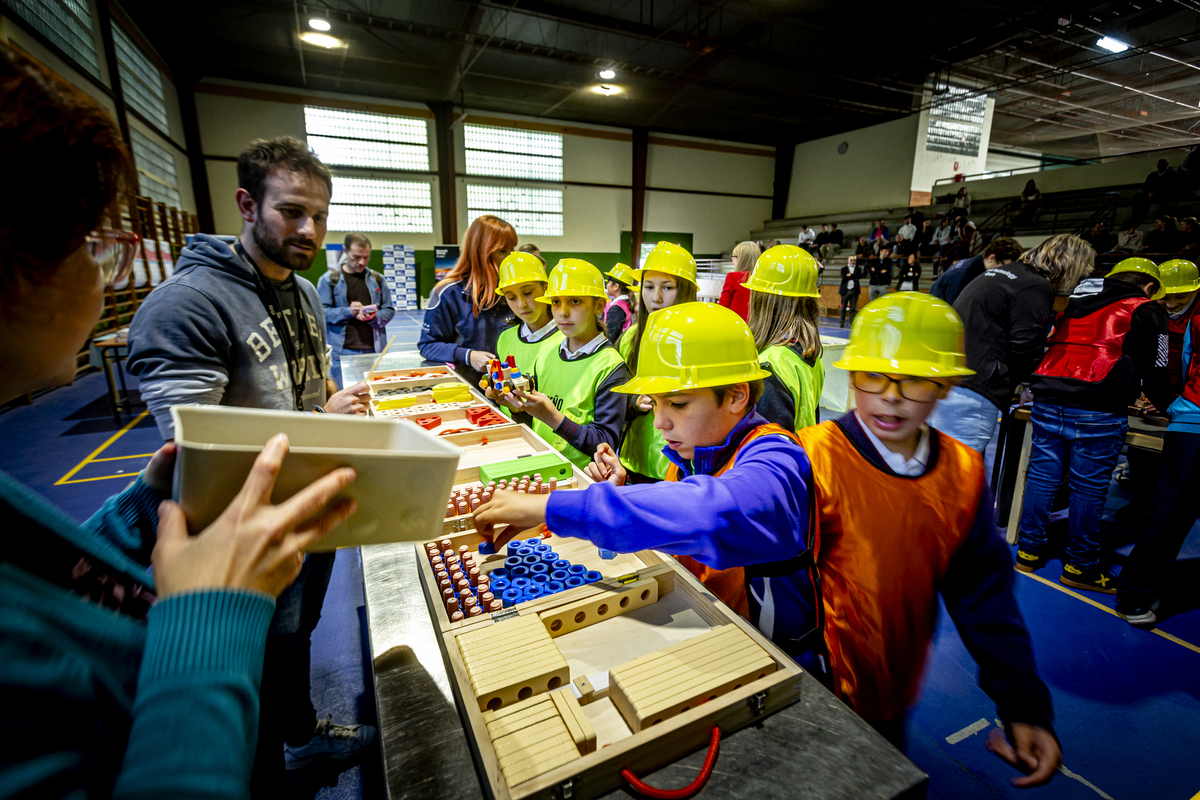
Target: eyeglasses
(919, 390)
(113, 252)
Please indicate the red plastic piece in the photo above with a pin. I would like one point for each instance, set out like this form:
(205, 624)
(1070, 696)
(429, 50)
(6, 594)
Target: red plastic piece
(456, 430)
(428, 423)
(687, 791)
(483, 441)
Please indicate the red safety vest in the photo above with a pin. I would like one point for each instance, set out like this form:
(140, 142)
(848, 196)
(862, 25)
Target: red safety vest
(1176, 329)
(1191, 389)
(883, 543)
(1087, 348)
(728, 584)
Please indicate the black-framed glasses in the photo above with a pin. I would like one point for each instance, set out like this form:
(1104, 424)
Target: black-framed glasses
(919, 390)
(113, 251)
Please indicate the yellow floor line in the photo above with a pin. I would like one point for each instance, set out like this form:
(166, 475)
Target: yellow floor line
(122, 458)
(67, 478)
(1108, 610)
(100, 478)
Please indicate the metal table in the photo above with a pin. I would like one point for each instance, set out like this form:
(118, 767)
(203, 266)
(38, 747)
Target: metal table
(816, 749)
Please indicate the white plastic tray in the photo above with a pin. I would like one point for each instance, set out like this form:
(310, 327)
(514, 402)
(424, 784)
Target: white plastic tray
(405, 473)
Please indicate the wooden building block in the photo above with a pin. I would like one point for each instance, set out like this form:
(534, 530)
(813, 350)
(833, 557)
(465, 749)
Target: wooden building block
(589, 611)
(500, 633)
(495, 660)
(586, 690)
(536, 667)
(682, 650)
(577, 723)
(503, 727)
(517, 772)
(536, 737)
(697, 658)
(516, 709)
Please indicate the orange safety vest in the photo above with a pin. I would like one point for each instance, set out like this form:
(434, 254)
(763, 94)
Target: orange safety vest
(728, 584)
(1087, 348)
(883, 544)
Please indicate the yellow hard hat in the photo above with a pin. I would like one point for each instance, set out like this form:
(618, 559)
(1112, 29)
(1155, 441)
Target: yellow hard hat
(787, 270)
(574, 277)
(907, 333)
(693, 346)
(1179, 276)
(671, 259)
(624, 274)
(520, 267)
(1144, 266)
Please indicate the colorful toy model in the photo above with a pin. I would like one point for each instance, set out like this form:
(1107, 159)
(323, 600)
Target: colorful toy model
(504, 377)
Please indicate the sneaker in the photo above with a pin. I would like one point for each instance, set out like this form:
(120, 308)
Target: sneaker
(1139, 614)
(1093, 580)
(330, 740)
(1028, 562)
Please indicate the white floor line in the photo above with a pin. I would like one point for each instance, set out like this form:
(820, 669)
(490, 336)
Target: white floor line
(967, 732)
(1085, 782)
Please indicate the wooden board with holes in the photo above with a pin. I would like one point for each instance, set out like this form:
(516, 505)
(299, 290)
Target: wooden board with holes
(501, 675)
(595, 609)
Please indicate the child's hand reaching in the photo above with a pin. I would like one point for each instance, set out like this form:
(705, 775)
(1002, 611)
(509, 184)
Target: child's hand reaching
(536, 405)
(606, 466)
(518, 510)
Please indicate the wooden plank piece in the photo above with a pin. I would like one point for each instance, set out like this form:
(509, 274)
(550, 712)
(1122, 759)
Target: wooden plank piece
(534, 738)
(695, 660)
(582, 613)
(681, 651)
(543, 762)
(581, 729)
(508, 725)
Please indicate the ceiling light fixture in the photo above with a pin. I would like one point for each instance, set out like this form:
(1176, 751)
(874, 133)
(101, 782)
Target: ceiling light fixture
(606, 89)
(322, 40)
(318, 24)
(1112, 45)
(608, 74)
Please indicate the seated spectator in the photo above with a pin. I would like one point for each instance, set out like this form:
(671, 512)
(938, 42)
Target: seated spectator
(1161, 186)
(943, 236)
(961, 206)
(850, 289)
(821, 240)
(1162, 236)
(734, 296)
(807, 238)
(864, 250)
(1189, 235)
(1099, 238)
(909, 279)
(969, 238)
(880, 233)
(834, 245)
(1030, 205)
(926, 246)
(903, 246)
(917, 217)
(907, 230)
(1130, 238)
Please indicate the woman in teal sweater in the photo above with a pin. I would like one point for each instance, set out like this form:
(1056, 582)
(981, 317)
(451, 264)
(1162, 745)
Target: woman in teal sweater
(117, 680)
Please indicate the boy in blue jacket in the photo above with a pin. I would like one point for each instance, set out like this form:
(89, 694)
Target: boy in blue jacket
(741, 509)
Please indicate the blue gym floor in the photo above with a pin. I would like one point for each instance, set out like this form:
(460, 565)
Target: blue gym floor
(1127, 702)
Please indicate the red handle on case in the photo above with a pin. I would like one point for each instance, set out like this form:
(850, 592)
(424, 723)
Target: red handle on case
(687, 791)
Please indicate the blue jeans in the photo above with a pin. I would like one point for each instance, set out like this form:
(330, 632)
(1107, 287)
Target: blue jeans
(1086, 445)
(967, 416)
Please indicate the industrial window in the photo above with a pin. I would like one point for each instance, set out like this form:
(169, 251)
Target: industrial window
(156, 170)
(141, 80)
(513, 153)
(370, 141)
(66, 23)
(533, 212)
(956, 122)
(376, 206)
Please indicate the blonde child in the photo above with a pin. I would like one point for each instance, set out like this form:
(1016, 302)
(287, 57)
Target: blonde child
(573, 407)
(668, 278)
(783, 319)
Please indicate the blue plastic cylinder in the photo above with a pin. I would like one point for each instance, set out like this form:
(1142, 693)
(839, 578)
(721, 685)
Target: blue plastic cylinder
(510, 597)
(518, 572)
(592, 576)
(535, 591)
(486, 549)
(530, 560)
(559, 575)
(540, 547)
(577, 569)
(562, 564)
(574, 581)
(554, 586)
(499, 585)
(537, 569)
(513, 561)
(540, 578)
(531, 542)
(520, 584)
(550, 557)
(607, 555)
(499, 572)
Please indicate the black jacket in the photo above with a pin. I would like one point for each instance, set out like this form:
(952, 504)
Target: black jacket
(1006, 315)
(849, 273)
(909, 273)
(881, 272)
(1142, 367)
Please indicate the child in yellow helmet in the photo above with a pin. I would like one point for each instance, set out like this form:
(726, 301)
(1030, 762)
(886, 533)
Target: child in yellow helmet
(668, 278)
(899, 512)
(522, 281)
(573, 407)
(783, 319)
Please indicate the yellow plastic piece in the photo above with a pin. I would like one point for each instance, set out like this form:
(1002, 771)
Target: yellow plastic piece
(1179, 276)
(671, 259)
(787, 270)
(451, 393)
(693, 346)
(404, 401)
(574, 277)
(520, 267)
(907, 333)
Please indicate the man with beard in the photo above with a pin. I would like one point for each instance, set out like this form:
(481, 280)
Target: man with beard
(234, 326)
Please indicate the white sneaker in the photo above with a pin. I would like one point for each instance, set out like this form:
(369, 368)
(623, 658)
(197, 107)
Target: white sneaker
(330, 740)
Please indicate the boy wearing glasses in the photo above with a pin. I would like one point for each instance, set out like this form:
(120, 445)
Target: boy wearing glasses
(841, 548)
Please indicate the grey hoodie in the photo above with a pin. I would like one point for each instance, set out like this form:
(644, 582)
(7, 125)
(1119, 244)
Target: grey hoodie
(204, 336)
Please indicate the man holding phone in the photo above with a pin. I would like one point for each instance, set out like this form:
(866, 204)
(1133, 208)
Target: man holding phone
(358, 305)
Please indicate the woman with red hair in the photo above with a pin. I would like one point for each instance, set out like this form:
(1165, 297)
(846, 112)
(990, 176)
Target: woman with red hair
(465, 315)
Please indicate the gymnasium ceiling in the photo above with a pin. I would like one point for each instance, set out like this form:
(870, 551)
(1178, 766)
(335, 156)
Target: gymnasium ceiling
(767, 71)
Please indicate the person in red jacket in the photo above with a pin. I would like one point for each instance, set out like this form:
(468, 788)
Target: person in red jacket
(1108, 346)
(734, 296)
